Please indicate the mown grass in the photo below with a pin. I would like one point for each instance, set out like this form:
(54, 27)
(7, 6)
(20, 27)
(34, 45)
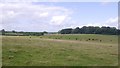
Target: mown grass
(37, 51)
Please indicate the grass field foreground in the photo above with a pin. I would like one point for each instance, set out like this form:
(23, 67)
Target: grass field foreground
(59, 50)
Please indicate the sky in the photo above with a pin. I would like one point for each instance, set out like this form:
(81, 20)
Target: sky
(53, 16)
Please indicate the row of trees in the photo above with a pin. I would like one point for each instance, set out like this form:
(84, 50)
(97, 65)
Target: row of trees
(91, 30)
(77, 30)
(15, 33)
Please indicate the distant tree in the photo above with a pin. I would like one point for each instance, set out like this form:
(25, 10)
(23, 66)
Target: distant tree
(3, 32)
(83, 29)
(42, 33)
(66, 31)
(91, 30)
(45, 32)
(76, 30)
(118, 32)
(13, 31)
(21, 32)
(97, 30)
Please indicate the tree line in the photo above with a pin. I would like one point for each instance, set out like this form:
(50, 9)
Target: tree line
(91, 30)
(77, 30)
(15, 33)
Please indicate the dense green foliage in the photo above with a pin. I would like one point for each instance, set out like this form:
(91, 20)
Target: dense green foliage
(66, 31)
(91, 30)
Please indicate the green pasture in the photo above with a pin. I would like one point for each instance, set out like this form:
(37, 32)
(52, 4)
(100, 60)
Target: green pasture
(59, 50)
(85, 37)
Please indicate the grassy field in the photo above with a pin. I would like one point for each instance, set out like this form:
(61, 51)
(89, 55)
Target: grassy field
(60, 50)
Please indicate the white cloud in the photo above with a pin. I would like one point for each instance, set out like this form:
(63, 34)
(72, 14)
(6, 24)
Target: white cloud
(30, 17)
(96, 24)
(93, 24)
(18, 15)
(112, 20)
(57, 20)
(45, 14)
